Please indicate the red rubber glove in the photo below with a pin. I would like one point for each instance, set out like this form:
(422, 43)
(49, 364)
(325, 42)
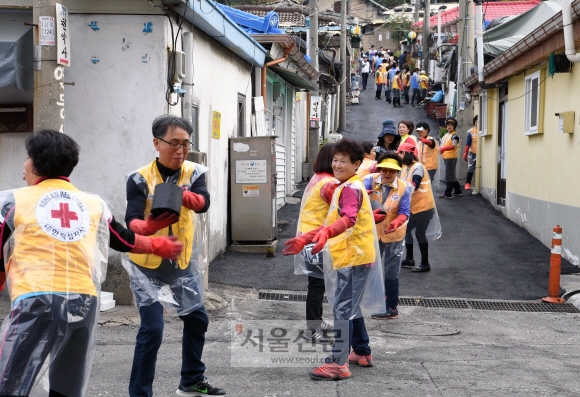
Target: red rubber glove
(443, 149)
(379, 214)
(425, 141)
(193, 201)
(338, 227)
(165, 246)
(327, 191)
(465, 152)
(296, 244)
(152, 224)
(2, 281)
(396, 223)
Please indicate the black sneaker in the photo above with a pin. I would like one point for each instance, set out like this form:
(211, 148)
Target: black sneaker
(458, 194)
(408, 263)
(200, 389)
(326, 327)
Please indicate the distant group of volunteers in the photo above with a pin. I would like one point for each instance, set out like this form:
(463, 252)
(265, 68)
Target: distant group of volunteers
(393, 75)
(364, 206)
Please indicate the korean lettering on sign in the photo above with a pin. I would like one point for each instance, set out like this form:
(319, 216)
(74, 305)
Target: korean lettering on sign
(251, 171)
(62, 36)
(216, 118)
(46, 30)
(315, 108)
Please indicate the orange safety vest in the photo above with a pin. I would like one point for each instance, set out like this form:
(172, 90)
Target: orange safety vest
(423, 80)
(427, 156)
(56, 230)
(183, 229)
(474, 135)
(315, 209)
(391, 207)
(356, 246)
(379, 77)
(422, 198)
(396, 83)
(406, 79)
(365, 167)
(406, 137)
(446, 141)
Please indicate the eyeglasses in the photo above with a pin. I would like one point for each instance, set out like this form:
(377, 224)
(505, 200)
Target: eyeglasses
(176, 146)
(389, 171)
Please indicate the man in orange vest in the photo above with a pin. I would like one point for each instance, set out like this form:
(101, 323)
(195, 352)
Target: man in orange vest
(55, 239)
(470, 153)
(428, 149)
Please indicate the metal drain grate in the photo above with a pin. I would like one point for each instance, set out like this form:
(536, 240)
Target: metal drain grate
(515, 306)
(275, 296)
(428, 302)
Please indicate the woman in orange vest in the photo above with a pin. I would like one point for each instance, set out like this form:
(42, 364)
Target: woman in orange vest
(424, 222)
(55, 239)
(315, 204)
(392, 195)
(396, 87)
(448, 149)
(354, 272)
(369, 164)
(388, 139)
(470, 153)
(406, 131)
(428, 149)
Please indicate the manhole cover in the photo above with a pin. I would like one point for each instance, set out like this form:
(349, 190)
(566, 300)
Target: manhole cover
(419, 329)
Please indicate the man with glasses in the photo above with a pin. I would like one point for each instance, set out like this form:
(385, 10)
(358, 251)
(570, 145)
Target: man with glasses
(158, 284)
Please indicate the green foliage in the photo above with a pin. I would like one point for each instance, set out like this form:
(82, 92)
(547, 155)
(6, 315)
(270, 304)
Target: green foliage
(442, 131)
(399, 27)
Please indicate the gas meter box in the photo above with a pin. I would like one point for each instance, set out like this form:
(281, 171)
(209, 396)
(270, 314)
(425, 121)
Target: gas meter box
(253, 189)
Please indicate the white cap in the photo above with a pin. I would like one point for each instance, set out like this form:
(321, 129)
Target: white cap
(419, 128)
(422, 72)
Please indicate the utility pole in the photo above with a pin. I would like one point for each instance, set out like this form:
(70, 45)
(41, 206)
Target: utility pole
(464, 109)
(425, 38)
(345, 67)
(49, 78)
(313, 126)
(313, 33)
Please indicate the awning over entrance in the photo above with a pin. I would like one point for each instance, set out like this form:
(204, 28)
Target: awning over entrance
(294, 77)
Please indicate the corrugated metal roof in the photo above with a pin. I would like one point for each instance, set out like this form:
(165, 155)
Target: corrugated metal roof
(492, 10)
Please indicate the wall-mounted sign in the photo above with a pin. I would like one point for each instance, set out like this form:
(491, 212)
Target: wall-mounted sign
(251, 171)
(216, 118)
(315, 108)
(46, 31)
(62, 36)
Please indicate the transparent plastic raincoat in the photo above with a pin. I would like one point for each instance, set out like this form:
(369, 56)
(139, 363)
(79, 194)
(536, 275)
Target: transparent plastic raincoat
(55, 261)
(353, 270)
(422, 201)
(313, 212)
(177, 285)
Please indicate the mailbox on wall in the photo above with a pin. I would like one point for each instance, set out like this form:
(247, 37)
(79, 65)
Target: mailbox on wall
(253, 189)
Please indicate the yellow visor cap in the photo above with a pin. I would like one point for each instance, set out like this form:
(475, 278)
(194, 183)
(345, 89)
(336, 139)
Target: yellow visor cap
(389, 163)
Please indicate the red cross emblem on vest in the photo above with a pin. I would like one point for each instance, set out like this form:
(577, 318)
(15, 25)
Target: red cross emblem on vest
(64, 215)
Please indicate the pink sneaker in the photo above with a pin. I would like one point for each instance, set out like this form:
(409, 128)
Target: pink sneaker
(331, 371)
(363, 361)
(467, 186)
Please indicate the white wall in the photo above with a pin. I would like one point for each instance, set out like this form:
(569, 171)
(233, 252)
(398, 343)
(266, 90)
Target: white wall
(219, 75)
(110, 109)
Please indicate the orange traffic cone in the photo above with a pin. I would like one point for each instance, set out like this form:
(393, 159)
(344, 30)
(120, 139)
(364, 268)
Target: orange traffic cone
(555, 265)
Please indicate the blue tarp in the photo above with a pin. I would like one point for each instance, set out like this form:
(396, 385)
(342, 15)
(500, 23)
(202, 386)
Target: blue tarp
(252, 23)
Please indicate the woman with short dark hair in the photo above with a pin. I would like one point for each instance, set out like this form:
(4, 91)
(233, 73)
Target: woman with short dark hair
(424, 222)
(354, 275)
(56, 241)
(368, 164)
(313, 211)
